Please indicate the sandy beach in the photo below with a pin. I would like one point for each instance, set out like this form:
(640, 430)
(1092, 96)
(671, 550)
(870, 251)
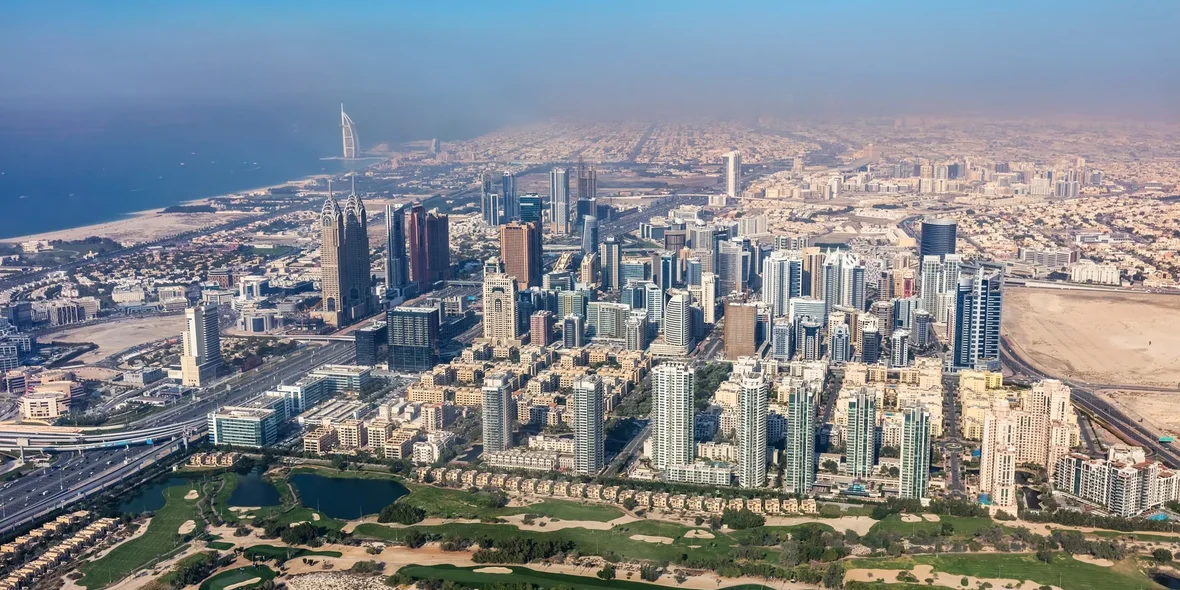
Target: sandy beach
(142, 226)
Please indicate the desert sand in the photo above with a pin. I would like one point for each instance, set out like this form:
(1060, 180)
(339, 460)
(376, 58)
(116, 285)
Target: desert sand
(117, 336)
(1100, 337)
(1161, 410)
(143, 226)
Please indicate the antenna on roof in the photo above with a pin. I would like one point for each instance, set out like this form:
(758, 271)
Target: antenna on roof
(329, 188)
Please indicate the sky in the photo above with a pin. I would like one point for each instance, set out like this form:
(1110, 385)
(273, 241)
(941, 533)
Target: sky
(493, 63)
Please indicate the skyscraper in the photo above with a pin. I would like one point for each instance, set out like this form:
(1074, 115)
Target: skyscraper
(201, 357)
(430, 246)
(667, 267)
(636, 330)
(751, 428)
(672, 415)
(573, 331)
(938, 237)
(975, 332)
(740, 325)
(782, 339)
(397, 266)
(998, 455)
(709, 297)
(497, 413)
(559, 200)
(653, 299)
(345, 278)
(915, 452)
(508, 196)
(587, 182)
(589, 234)
(843, 281)
(860, 448)
(840, 345)
(611, 255)
(678, 320)
(799, 471)
(520, 249)
(870, 345)
(899, 349)
(589, 435)
(733, 174)
(499, 309)
(730, 275)
(541, 328)
(782, 279)
(530, 208)
(488, 203)
(413, 338)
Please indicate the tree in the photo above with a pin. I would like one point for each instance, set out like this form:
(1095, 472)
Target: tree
(964, 581)
(1161, 555)
(834, 576)
(1045, 555)
(831, 466)
(741, 519)
(947, 529)
(401, 513)
(630, 503)
(607, 572)
(649, 572)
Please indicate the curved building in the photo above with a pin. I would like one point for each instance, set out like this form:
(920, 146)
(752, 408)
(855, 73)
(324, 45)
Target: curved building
(938, 237)
(348, 134)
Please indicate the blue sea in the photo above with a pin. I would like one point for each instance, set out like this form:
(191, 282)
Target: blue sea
(64, 168)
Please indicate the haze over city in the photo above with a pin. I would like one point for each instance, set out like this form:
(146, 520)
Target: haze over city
(526, 296)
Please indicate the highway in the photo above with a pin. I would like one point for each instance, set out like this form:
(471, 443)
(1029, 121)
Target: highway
(1099, 409)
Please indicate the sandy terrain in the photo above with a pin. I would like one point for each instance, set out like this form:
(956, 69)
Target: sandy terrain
(860, 524)
(699, 534)
(652, 539)
(192, 495)
(1123, 338)
(186, 528)
(1090, 559)
(243, 583)
(911, 518)
(114, 337)
(922, 572)
(931, 517)
(143, 226)
(493, 570)
(1160, 410)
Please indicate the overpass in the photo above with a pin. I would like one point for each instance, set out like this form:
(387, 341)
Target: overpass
(17, 438)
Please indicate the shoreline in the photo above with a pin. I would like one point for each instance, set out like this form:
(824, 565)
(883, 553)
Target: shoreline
(155, 222)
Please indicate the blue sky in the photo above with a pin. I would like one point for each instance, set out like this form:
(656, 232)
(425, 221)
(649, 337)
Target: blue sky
(525, 60)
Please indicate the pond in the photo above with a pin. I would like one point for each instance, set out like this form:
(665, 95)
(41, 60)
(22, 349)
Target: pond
(253, 490)
(1165, 579)
(150, 497)
(346, 497)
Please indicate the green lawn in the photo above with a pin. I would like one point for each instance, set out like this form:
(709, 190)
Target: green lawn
(617, 540)
(219, 545)
(234, 576)
(965, 526)
(448, 503)
(159, 540)
(265, 552)
(467, 575)
(1064, 572)
(1136, 536)
(221, 500)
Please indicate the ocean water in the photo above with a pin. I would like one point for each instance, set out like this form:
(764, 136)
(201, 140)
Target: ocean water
(68, 168)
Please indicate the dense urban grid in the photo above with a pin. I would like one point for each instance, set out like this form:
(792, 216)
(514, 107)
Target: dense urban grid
(716, 325)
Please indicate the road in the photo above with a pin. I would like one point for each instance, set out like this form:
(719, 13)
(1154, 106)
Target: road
(950, 443)
(1084, 397)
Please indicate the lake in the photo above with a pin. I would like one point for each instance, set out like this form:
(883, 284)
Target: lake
(253, 490)
(151, 497)
(346, 497)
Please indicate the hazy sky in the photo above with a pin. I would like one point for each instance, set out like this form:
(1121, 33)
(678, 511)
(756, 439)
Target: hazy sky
(514, 61)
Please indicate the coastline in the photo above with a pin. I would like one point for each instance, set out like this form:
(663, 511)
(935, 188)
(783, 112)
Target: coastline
(152, 224)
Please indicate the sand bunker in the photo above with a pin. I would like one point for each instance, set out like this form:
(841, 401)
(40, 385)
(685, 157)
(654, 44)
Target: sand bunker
(192, 495)
(911, 518)
(244, 508)
(652, 539)
(922, 572)
(1090, 559)
(699, 534)
(186, 528)
(315, 516)
(931, 517)
(488, 570)
(245, 583)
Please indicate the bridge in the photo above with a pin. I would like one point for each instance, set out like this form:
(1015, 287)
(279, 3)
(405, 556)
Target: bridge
(16, 438)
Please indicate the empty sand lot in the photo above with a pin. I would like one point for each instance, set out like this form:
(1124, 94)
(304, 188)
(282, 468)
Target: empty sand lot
(1119, 338)
(112, 337)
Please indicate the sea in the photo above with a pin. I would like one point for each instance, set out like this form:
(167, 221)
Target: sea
(65, 168)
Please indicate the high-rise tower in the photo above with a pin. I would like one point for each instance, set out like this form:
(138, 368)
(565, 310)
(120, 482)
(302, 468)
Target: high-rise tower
(589, 435)
(751, 428)
(915, 452)
(559, 200)
(345, 279)
(520, 249)
(201, 357)
(672, 415)
(860, 437)
(799, 471)
(497, 413)
(430, 248)
(397, 265)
